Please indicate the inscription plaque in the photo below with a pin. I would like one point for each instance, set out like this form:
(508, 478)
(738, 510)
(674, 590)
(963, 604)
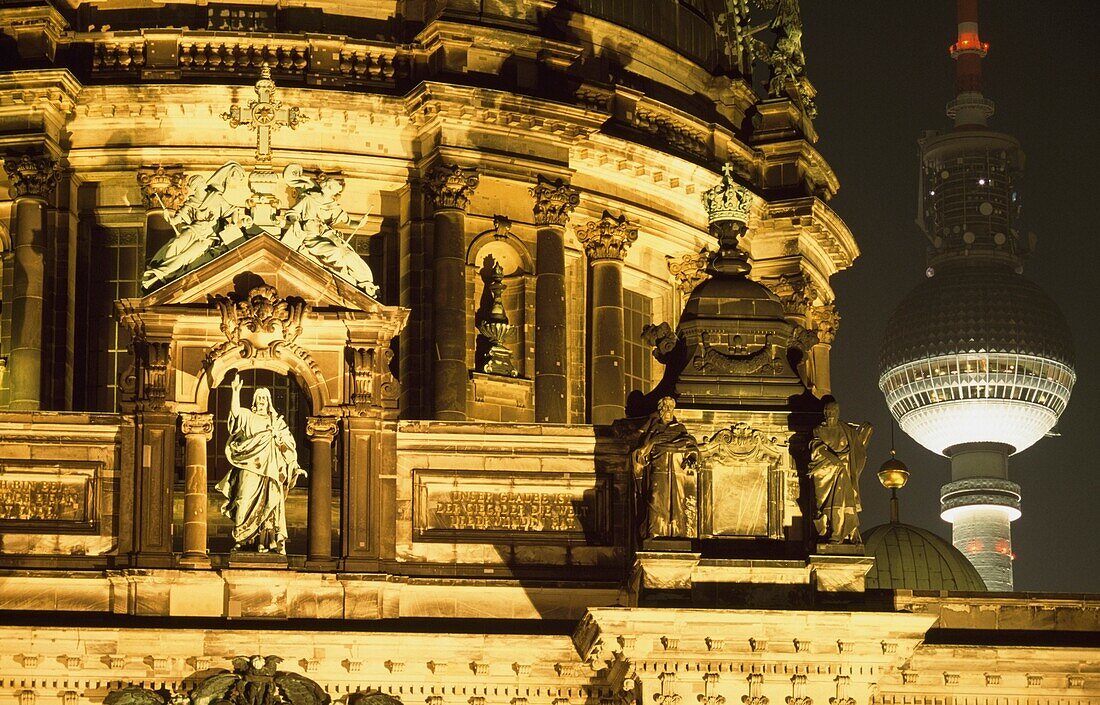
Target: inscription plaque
(475, 507)
(42, 496)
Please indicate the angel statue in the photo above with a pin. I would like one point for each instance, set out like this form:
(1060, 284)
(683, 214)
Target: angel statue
(264, 457)
(311, 227)
(205, 220)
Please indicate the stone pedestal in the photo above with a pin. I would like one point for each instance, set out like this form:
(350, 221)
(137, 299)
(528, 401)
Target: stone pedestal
(840, 568)
(197, 430)
(606, 242)
(450, 188)
(662, 576)
(553, 204)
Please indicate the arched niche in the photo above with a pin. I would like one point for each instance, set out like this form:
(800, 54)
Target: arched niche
(510, 252)
(292, 401)
(280, 361)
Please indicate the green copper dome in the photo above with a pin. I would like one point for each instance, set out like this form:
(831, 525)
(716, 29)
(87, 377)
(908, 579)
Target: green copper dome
(910, 558)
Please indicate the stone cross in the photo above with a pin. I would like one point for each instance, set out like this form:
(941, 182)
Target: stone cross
(265, 115)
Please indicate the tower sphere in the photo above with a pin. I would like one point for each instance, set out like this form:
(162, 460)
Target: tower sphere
(977, 353)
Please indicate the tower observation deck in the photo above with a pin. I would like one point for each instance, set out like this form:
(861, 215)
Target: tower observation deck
(977, 362)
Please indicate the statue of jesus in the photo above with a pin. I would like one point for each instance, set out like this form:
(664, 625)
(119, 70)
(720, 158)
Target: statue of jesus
(264, 457)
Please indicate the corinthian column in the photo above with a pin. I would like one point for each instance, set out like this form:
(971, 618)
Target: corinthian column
(449, 187)
(321, 431)
(825, 321)
(197, 430)
(33, 179)
(161, 188)
(554, 201)
(605, 242)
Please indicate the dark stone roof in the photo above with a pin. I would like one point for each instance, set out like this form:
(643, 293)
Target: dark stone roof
(910, 558)
(969, 308)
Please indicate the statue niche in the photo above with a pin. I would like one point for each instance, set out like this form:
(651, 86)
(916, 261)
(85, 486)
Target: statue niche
(264, 459)
(664, 464)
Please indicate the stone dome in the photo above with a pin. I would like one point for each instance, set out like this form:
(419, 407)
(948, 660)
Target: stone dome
(973, 308)
(733, 297)
(910, 558)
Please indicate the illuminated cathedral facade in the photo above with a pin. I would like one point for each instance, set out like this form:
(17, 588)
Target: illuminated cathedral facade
(449, 352)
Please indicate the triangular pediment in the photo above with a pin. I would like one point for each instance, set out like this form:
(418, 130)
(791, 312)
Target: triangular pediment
(263, 260)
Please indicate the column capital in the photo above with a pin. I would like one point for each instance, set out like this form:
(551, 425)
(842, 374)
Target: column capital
(450, 186)
(322, 428)
(554, 201)
(689, 270)
(162, 187)
(607, 238)
(825, 320)
(197, 424)
(33, 175)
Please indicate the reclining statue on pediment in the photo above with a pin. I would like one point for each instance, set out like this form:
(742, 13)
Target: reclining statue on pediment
(310, 227)
(202, 225)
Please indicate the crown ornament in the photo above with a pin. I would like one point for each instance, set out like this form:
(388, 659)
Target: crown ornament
(728, 200)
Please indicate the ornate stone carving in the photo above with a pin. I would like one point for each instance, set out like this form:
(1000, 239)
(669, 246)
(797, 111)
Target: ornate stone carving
(265, 115)
(668, 694)
(322, 427)
(261, 322)
(554, 201)
(785, 56)
(728, 200)
(661, 338)
(741, 443)
(368, 366)
(756, 687)
(145, 380)
(664, 463)
(255, 681)
(738, 361)
(838, 452)
(31, 175)
(261, 449)
(798, 691)
(796, 291)
(494, 357)
(825, 321)
(689, 271)
(843, 683)
(710, 695)
(197, 425)
(162, 187)
(450, 186)
(607, 238)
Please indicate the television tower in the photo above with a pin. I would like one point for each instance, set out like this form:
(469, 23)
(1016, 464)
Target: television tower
(977, 363)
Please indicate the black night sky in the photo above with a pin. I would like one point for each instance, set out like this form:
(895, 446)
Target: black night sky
(883, 75)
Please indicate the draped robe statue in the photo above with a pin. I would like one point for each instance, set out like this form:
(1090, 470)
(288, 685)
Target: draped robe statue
(311, 228)
(838, 452)
(205, 220)
(664, 470)
(264, 457)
